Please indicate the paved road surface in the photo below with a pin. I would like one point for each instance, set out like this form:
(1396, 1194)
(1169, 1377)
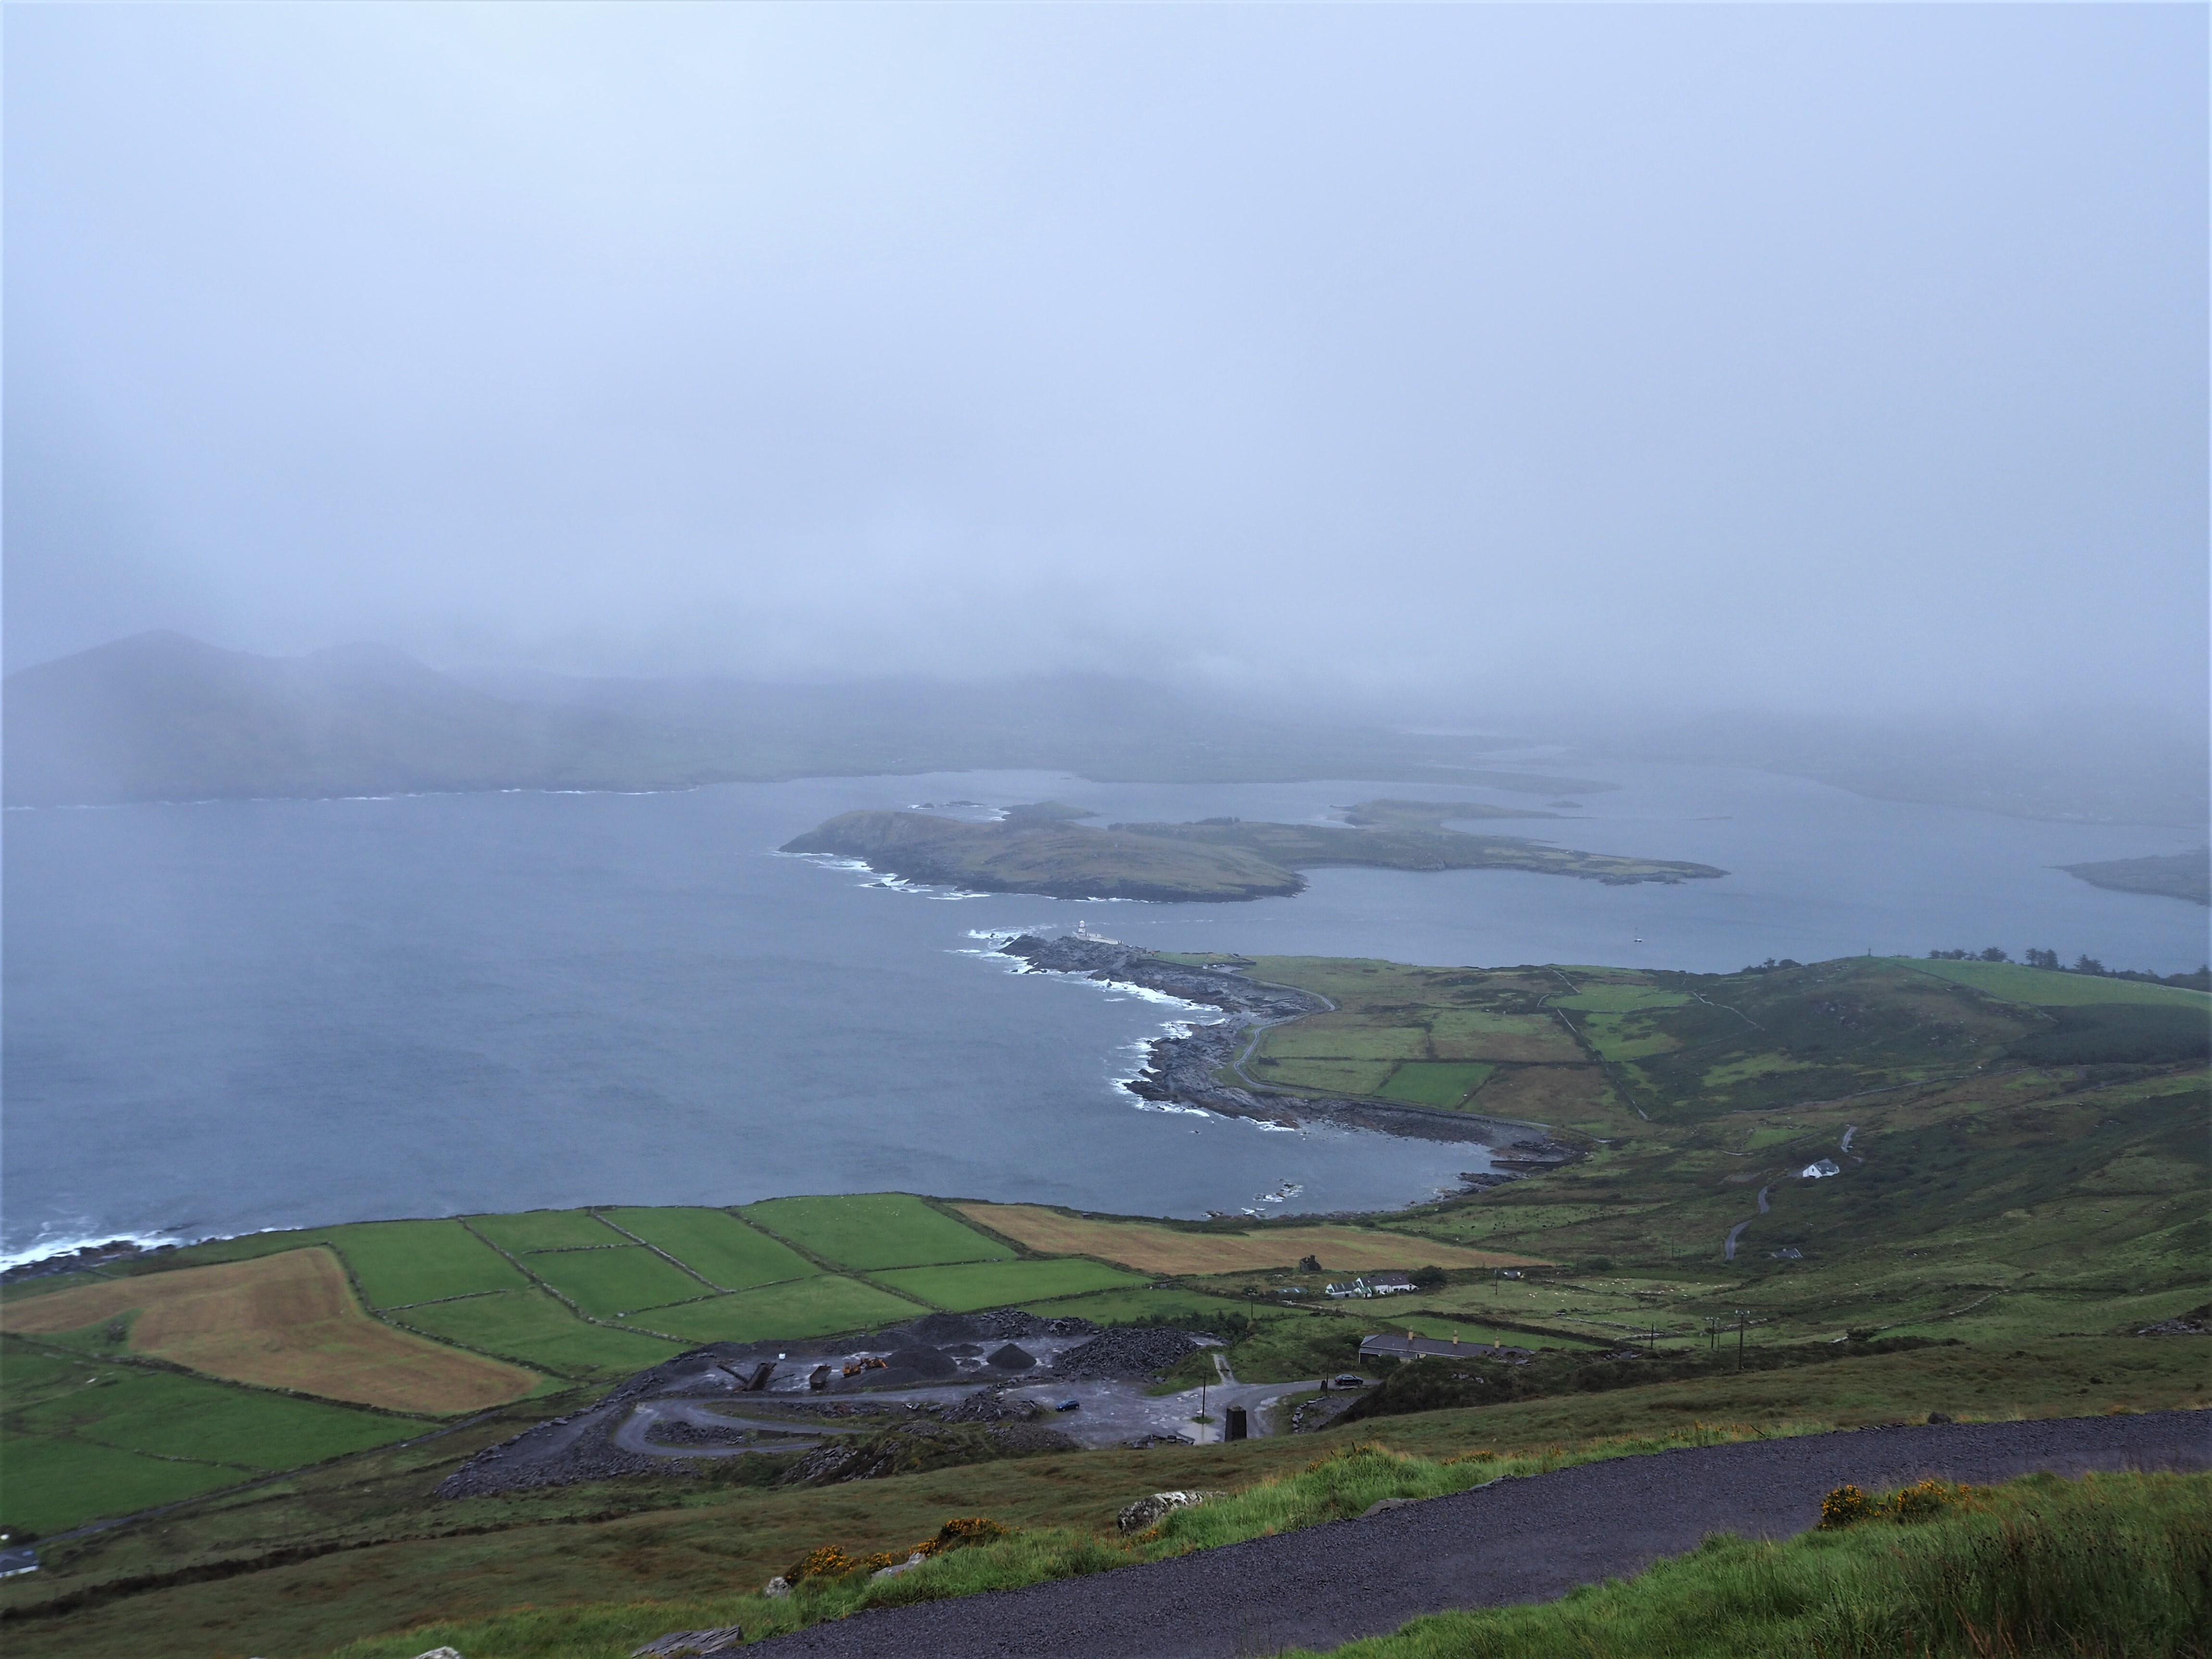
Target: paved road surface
(1513, 1540)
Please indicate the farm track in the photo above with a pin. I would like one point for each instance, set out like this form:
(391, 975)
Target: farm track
(1515, 1540)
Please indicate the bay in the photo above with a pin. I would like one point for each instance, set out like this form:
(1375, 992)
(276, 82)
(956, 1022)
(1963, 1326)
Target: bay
(228, 1015)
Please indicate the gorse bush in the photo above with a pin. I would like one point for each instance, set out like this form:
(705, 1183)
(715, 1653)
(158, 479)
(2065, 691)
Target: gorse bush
(1847, 1506)
(828, 1561)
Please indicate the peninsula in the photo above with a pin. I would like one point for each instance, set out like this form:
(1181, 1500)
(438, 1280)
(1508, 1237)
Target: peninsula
(1214, 858)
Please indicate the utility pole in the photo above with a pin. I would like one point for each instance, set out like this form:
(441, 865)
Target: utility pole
(1741, 1315)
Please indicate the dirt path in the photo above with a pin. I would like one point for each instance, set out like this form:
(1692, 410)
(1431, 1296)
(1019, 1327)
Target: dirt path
(1513, 1540)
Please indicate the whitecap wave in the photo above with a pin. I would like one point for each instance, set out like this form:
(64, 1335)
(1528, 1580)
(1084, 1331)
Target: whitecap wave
(68, 1239)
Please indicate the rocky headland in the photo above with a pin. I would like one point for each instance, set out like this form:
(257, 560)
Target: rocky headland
(1190, 1067)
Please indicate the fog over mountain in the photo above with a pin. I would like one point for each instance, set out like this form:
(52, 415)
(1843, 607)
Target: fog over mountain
(1547, 369)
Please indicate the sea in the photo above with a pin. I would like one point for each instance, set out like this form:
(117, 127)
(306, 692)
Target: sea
(226, 1017)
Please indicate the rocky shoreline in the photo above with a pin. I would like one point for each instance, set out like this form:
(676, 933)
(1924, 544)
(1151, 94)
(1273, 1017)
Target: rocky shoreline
(1186, 1069)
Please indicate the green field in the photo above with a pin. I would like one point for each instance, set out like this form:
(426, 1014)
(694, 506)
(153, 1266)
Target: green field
(867, 1231)
(820, 1306)
(54, 1484)
(1168, 1307)
(1305, 1041)
(89, 1436)
(604, 1283)
(1337, 1077)
(1619, 998)
(1436, 1083)
(531, 1326)
(167, 1415)
(2047, 988)
(996, 1284)
(715, 1245)
(399, 1262)
(545, 1230)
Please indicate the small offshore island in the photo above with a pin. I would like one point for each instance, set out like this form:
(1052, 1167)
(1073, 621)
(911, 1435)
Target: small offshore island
(1212, 859)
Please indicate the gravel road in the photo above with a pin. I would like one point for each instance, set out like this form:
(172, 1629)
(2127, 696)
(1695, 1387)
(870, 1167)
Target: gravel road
(1513, 1540)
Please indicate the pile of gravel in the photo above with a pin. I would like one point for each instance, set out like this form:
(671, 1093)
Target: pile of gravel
(1009, 1324)
(992, 1405)
(1124, 1354)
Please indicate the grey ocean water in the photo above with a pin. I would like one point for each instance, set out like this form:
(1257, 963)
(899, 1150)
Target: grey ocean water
(231, 1016)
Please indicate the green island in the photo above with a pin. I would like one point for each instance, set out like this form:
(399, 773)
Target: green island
(2174, 875)
(1032, 851)
(1807, 1197)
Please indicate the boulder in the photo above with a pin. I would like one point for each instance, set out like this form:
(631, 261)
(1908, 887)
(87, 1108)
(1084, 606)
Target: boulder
(1146, 1511)
(898, 1567)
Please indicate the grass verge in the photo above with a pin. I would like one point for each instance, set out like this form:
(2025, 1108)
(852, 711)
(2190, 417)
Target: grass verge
(2104, 1564)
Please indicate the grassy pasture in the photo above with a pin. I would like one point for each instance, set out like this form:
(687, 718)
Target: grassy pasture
(1476, 1033)
(54, 1484)
(531, 1326)
(604, 1283)
(399, 1262)
(716, 1245)
(545, 1230)
(868, 1231)
(1344, 1039)
(1619, 998)
(819, 1306)
(2046, 988)
(1335, 1076)
(1624, 1036)
(1172, 1306)
(282, 1321)
(1153, 1249)
(1434, 1083)
(88, 1436)
(167, 1415)
(994, 1283)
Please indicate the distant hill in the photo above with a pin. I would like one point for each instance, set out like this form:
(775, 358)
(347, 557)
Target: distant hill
(2173, 875)
(161, 717)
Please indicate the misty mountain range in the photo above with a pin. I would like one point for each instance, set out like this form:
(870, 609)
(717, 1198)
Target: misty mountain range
(160, 716)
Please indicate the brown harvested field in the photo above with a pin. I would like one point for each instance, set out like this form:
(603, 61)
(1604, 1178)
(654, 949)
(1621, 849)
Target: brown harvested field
(289, 1320)
(1156, 1249)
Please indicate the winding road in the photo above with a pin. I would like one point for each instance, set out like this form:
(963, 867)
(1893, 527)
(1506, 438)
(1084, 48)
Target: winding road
(1512, 1541)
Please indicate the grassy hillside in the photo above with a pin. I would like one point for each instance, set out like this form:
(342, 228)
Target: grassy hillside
(2012, 1206)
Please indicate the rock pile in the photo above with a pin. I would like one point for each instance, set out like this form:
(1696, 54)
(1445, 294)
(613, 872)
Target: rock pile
(1124, 1354)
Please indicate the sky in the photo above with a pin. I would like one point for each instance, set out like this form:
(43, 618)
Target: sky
(1815, 357)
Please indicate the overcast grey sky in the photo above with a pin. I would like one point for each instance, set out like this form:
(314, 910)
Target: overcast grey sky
(1816, 356)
